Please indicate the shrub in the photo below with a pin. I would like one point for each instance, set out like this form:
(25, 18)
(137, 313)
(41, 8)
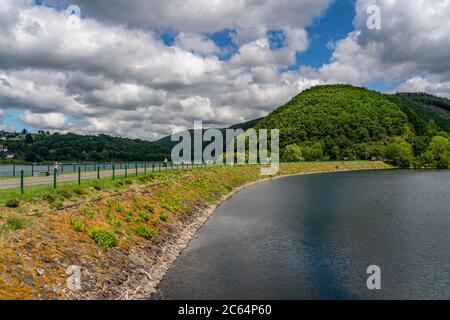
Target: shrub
(149, 207)
(145, 232)
(129, 216)
(142, 217)
(15, 223)
(12, 203)
(164, 217)
(78, 226)
(103, 238)
(108, 214)
(85, 211)
(56, 205)
(119, 207)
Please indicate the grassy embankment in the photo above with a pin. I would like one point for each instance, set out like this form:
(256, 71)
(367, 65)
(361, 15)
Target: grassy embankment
(111, 228)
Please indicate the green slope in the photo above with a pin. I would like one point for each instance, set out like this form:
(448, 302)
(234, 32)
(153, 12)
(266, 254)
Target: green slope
(342, 121)
(429, 108)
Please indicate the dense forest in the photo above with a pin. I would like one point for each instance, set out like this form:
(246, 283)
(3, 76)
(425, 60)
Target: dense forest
(337, 122)
(70, 147)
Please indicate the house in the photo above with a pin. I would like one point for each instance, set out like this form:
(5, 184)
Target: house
(3, 139)
(3, 148)
(9, 156)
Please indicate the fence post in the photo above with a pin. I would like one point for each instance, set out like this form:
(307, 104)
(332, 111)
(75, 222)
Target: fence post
(54, 178)
(126, 171)
(79, 175)
(32, 170)
(136, 169)
(145, 168)
(14, 171)
(153, 167)
(21, 181)
(98, 173)
(114, 171)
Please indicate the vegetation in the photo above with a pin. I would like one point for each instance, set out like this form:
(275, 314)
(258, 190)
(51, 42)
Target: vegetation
(103, 238)
(15, 223)
(78, 225)
(46, 147)
(145, 232)
(12, 203)
(337, 122)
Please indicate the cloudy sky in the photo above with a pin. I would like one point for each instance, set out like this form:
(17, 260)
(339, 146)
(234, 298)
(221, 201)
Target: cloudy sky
(147, 68)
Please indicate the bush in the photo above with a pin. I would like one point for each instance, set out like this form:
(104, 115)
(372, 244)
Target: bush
(145, 232)
(164, 217)
(143, 217)
(12, 203)
(78, 226)
(103, 238)
(149, 207)
(15, 223)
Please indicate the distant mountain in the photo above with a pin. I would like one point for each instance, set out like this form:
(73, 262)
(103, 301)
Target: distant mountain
(167, 143)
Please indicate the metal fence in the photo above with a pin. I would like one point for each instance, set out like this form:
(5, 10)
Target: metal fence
(77, 173)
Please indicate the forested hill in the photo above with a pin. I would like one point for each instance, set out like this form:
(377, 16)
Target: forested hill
(429, 107)
(73, 148)
(345, 122)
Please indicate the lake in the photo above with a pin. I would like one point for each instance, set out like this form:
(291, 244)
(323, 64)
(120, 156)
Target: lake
(313, 237)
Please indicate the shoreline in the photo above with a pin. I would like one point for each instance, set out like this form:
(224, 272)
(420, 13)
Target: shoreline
(171, 253)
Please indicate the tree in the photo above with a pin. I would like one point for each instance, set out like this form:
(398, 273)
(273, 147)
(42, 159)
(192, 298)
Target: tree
(292, 152)
(29, 139)
(438, 151)
(400, 153)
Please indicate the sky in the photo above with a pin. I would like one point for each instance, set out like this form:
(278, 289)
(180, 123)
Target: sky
(149, 68)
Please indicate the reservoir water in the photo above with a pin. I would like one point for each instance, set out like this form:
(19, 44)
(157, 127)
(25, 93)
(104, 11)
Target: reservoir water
(314, 236)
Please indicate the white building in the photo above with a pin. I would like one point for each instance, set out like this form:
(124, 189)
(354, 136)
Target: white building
(3, 148)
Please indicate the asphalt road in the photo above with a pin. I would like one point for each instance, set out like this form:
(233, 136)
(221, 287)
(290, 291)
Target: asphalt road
(72, 177)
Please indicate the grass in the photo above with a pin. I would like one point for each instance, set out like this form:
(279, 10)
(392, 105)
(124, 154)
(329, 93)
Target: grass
(145, 232)
(103, 238)
(16, 223)
(164, 217)
(77, 225)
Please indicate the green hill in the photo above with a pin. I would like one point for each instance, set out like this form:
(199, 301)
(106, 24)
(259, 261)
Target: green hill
(72, 147)
(345, 122)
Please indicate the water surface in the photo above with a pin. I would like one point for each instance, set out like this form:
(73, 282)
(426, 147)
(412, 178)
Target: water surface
(313, 237)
